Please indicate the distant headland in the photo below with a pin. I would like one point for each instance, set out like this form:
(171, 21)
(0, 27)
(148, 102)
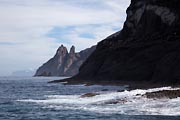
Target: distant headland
(64, 63)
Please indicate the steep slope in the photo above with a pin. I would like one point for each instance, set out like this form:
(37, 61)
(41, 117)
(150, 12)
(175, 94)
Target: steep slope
(64, 63)
(146, 49)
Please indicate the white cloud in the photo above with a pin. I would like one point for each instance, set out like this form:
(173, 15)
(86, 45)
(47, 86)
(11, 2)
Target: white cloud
(24, 25)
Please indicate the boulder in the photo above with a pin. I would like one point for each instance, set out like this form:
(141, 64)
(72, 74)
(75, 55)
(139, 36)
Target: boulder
(163, 94)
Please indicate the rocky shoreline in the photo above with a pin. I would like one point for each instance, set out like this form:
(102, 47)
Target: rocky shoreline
(130, 84)
(163, 94)
(169, 94)
(156, 95)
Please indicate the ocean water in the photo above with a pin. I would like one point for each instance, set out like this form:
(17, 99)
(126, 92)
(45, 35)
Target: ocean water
(32, 98)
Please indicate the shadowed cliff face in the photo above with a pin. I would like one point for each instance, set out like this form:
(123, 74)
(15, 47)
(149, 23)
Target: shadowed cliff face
(146, 49)
(64, 63)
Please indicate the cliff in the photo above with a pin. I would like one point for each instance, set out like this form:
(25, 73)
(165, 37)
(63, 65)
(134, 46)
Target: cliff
(147, 49)
(64, 63)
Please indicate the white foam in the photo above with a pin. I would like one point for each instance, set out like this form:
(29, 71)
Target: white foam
(134, 105)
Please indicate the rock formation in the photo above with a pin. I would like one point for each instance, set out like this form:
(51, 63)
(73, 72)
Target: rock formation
(163, 94)
(64, 63)
(146, 49)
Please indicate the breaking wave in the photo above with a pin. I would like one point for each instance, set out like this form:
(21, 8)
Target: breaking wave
(127, 102)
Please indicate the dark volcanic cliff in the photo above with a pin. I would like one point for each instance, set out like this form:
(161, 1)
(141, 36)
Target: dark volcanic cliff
(146, 49)
(64, 63)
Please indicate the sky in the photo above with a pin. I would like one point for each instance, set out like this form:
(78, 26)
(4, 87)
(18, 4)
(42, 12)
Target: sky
(32, 30)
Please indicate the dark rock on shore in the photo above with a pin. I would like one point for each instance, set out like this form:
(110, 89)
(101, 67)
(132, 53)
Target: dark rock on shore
(64, 63)
(146, 49)
(163, 94)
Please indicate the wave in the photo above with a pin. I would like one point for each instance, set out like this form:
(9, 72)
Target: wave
(127, 102)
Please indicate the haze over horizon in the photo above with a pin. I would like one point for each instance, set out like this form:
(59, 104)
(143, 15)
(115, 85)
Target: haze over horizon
(31, 31)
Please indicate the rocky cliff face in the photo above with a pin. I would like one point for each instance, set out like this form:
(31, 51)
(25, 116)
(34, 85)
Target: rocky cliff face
(146, 49)
(64, 63)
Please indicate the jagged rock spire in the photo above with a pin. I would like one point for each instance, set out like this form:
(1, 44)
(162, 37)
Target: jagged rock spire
(62, 51)
(72, 50)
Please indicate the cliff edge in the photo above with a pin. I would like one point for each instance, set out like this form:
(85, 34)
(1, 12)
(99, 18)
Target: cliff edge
(147, 49)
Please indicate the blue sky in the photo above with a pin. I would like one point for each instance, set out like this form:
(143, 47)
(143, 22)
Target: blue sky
(32, 30)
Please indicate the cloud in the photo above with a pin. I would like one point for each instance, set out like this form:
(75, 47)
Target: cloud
(32, 30)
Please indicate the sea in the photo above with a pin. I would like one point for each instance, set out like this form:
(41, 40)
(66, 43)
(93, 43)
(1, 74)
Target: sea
(33, 98)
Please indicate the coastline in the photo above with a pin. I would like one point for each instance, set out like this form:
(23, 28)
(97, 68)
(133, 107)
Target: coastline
(132, 85)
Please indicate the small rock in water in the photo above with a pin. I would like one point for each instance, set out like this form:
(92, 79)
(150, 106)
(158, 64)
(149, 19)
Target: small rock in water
(89, 95)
